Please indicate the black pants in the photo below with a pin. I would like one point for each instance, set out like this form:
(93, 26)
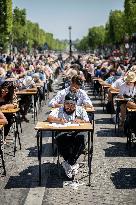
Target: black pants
(70, 146)
(24, 104)
(9, 118)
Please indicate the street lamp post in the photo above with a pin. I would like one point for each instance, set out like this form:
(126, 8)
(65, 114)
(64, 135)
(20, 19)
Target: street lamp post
(70, 41)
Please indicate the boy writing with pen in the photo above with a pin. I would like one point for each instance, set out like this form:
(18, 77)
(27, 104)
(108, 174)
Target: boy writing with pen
(70, 145)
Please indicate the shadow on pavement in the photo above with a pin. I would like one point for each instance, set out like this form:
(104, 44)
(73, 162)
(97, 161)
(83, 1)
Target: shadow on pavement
(109, 132)
(47, 150)
(100, 111)
(117, 149)
(103, 121)
(125, 178)
(28, 178)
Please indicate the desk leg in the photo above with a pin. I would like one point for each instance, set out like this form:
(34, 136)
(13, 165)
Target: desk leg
(39, 142)
(53, 135)
(15, 143)
(17, 132)
(90, 154)
(34, 107)
(89, 165)
(3, 163)
(104, 98)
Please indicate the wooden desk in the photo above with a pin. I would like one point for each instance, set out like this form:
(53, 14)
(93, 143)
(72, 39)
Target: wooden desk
(105, 87)
(32, 92)
(10, 79)
(131, 110)
(15, 110)
(113, 92)
(27, 92)
(97, 79)
(46, 126)
(16, 129)
(90, 109)
(96, 85)
(1, 126)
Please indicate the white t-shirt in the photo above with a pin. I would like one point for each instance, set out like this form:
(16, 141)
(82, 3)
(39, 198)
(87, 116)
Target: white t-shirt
(79, 113)
(118, 83)
(129, 90)
(83, 98)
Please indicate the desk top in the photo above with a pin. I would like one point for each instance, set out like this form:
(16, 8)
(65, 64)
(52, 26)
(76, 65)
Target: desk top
(97, 79)
(114, 92)
(90, 109)
(10, 79)
(106, 85)
(131, 110)
(27, 92)
(120, 99)
(9, 110)
(38, 85)
(1, 126)
(48, 127)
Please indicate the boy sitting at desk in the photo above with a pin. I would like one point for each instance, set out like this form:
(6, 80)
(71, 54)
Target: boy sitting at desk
(70, 145)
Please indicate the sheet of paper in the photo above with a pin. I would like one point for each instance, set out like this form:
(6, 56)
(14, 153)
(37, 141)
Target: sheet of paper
(65, 125)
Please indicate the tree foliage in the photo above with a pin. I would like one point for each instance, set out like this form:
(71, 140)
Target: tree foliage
(5, 21)
(120, 24)
(96, 36)
(130, 15)
(30, 35)
(116, 27)
(22, 33)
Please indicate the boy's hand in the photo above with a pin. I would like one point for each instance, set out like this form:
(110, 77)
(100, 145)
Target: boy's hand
(63, 121)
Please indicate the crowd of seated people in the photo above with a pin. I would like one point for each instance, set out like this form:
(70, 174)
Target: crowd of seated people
(70, 103)
(23, 72)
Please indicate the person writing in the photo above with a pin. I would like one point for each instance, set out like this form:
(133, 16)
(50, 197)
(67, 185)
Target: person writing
(83, 98)
(70, 145)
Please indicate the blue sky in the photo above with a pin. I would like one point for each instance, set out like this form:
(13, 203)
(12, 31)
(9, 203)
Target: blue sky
(56, 16)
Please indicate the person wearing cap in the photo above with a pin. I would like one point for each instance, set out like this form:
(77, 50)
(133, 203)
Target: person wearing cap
(128, 90)
(70, 145)
(83, 98)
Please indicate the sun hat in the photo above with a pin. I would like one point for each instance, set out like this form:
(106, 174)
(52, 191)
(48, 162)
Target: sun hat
(130, 77)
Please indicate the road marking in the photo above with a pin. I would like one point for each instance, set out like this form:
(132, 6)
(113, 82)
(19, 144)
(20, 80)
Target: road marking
(35, 195)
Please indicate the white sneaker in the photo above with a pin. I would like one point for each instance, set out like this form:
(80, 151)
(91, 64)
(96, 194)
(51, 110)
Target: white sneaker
(68, 169)
(75, 168)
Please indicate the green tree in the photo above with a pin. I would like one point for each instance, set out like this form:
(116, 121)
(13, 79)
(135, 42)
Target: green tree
(96, 36)
(115, 28)
(28, 35)
(83, 45)
(130, 15)
(5, 22)
(19, 28)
